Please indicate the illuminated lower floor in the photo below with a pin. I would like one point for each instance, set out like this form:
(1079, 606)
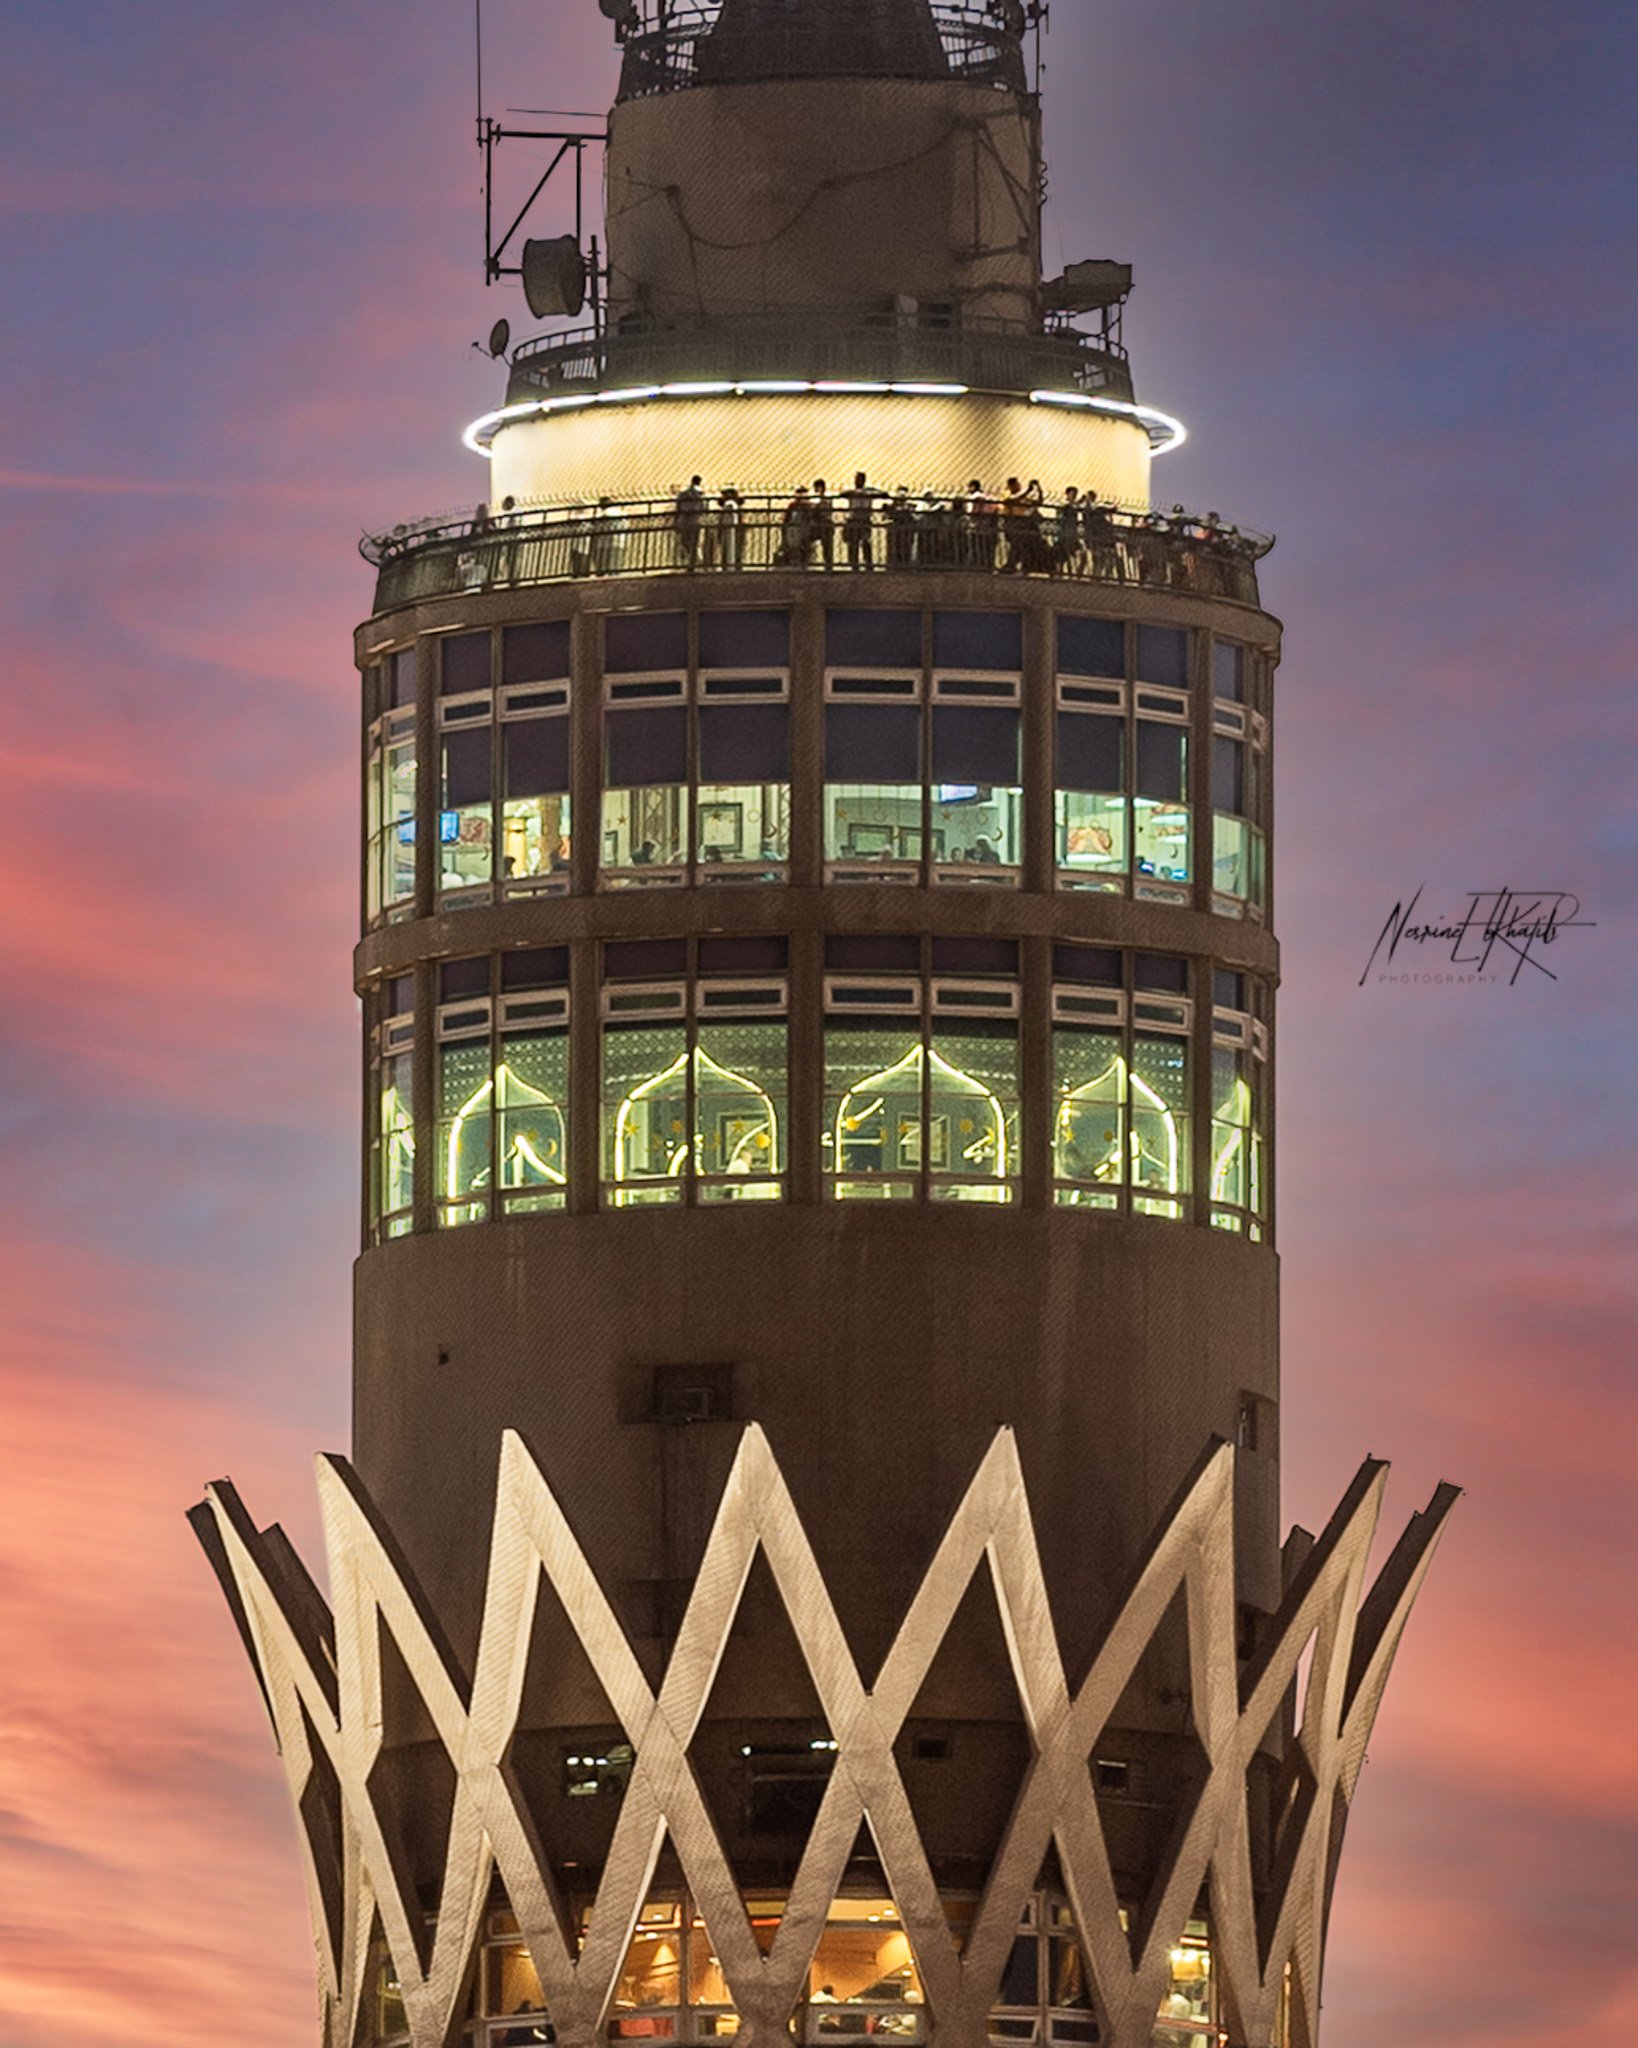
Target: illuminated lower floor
(863, 1984)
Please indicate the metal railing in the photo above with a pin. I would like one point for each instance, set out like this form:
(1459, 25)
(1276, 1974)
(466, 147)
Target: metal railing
(675, 45)
(982, 355)
(664, 537)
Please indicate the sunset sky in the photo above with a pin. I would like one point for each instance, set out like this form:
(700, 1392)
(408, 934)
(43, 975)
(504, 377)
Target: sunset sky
(1384, 252)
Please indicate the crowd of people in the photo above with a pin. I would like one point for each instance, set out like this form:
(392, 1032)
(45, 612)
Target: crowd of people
(1014, 531)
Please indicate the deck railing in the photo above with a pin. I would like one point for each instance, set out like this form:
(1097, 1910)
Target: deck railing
(486, 550)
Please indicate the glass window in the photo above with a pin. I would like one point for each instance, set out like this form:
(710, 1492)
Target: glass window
(392, 1168)
(1238, 1169)
(1159, 1108)
(873, 777)
(645, 793)
(863, 1982)
(1237, 841)
(746, 640)
(873, 1089)
(1163, 656)
(403, 667)
(694, 1102)
(1185, 2019)
(464, 664)
(535, 802)
(910, 1110)
(985, 640)
(1089, 1121)
(1228, 671)
(742, 819)
(390, 804)
(648, 1997)
(645, 1111)
(1160, 815)
(465, 1172)
(1092, 647)
(739, 1106)
(536, 653)
(466, 807)
(976, 806)
(636, 643)
(872, 639)
(972, 1111)
(531, 1103)
(1093, 811)
(1121, 1087)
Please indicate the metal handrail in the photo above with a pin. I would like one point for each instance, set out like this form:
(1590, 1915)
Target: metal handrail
(975, 44)
(985, 355)
(485, 550)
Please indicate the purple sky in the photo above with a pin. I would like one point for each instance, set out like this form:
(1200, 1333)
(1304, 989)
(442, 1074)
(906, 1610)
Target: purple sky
(1384, 261)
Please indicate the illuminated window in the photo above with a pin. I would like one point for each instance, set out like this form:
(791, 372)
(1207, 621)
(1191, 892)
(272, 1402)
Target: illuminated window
(726, 736)
(1238, 779)
(509, 1991)
(388, 2016)
(1121, 1080)
(501, 1120)
(695, 1092)
(390, 780)
(863, 1982)
(392, 1123)
(1187, 2010)
(1239, 1195)
(921, 1086)
(535, 822)
(976, 800)
(1160, 796)
(1093, 808)
(1043, 1994)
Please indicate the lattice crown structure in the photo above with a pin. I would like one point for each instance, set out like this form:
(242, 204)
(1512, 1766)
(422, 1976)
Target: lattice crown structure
(321, 1675)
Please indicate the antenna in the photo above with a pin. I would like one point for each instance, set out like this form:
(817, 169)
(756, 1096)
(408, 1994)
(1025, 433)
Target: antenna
(554, 272)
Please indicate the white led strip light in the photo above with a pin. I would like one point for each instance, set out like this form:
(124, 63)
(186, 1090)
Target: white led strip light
(1164, 432)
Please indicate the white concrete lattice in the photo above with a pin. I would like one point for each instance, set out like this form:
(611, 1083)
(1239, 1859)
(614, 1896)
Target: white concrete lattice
(321, 1676)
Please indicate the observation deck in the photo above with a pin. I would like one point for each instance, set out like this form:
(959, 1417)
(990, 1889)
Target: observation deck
(451, 553)
(984, 355)
(672, 45)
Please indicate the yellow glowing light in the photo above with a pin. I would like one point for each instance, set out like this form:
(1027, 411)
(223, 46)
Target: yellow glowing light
(1236, 1112)
(986, 1153)
(760, 1135)
(1112, 1089)
(513, 1093)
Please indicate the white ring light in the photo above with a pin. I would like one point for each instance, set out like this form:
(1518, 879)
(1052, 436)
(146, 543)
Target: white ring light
(1165, 432)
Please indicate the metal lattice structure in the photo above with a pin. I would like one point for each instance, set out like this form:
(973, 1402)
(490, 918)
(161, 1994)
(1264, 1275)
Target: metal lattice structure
(322, 1676)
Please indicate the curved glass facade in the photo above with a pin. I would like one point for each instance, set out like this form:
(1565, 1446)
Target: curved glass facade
(897, 748)
(1158, 1102)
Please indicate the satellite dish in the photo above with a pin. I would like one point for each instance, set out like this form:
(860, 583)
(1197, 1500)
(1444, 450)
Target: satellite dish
(554, 276)
(499, 335)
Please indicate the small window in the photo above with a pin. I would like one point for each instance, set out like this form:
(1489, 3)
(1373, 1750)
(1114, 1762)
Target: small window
(1092, 647)
(1163, 656)
(536, 653)
(745, 639)
(1091, 966)
(870, 639)
(600, 1770)
(985, 640)
(403, 666)
(866, 952)
(460, 979)
(1228, 671)
(636, 642)
(1161, 974)
(743, 956)
(465, 664)
(535, 967)
(644, 959)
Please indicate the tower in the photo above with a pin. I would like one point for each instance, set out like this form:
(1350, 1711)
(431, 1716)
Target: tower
(810, 1557)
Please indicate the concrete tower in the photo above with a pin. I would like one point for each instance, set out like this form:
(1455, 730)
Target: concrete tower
(819, 1030)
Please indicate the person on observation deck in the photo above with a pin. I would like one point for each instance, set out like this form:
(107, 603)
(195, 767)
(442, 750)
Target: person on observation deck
(688, 522)
(824, 522)
(859, 524)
